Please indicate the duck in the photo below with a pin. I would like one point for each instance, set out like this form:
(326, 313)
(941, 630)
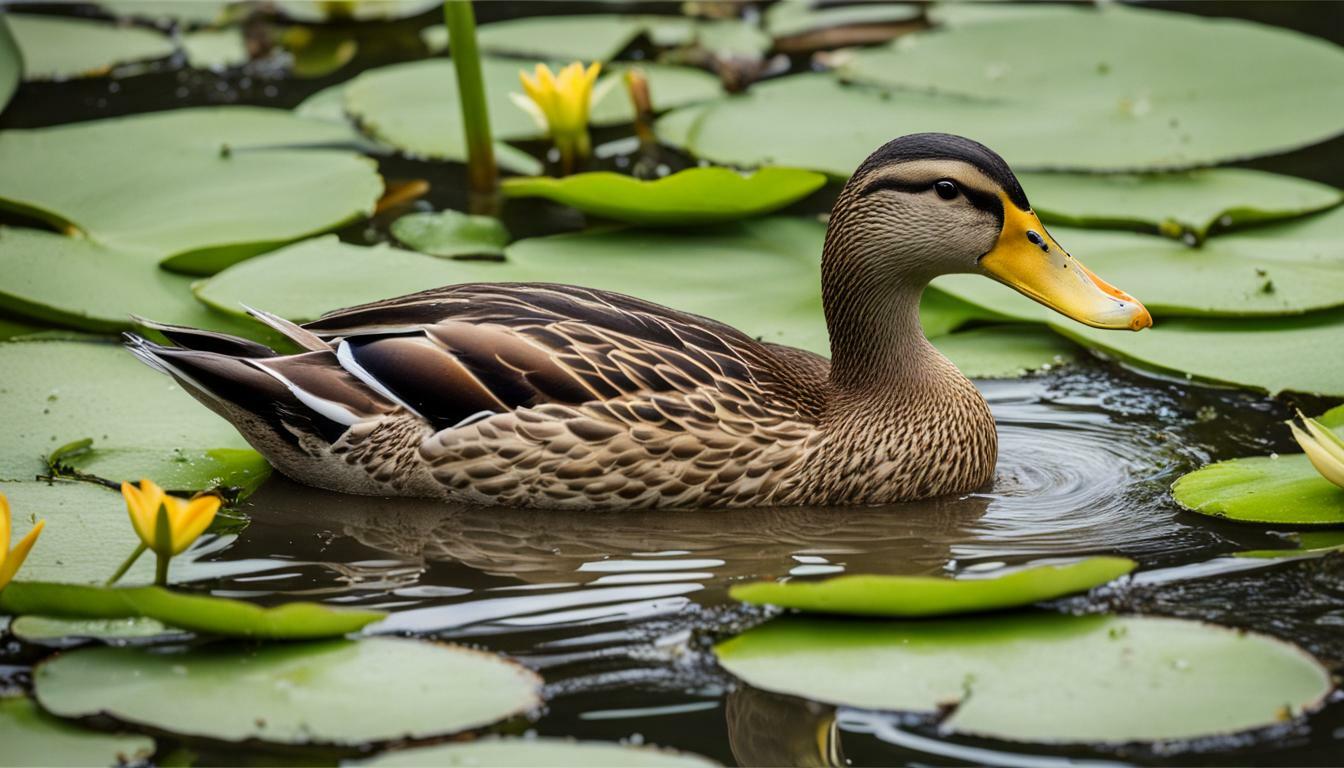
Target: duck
(558, 396)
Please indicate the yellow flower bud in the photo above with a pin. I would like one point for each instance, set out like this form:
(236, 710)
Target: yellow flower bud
(561, 104)
(186, 519)
(1323, 447)
(11, 559)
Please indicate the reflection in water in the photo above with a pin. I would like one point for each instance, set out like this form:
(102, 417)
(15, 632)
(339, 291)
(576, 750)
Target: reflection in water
(619, 609)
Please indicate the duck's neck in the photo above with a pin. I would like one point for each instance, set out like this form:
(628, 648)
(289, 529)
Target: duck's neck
(878, 347)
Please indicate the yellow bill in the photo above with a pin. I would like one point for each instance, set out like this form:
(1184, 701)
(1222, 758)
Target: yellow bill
(1027, 259)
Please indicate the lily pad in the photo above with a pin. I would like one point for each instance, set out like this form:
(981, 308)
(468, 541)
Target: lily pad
(1127, 87)
(1309, 544)
(34, 739)
(215, 48)
(11, 64)
(414, 106)
(450, 233)
(44, 630)
(1281, 489)
(295, 693)
(315, 11)
(197, 613)
(1180, 205)
(140, 422)
(250, 178)
(690, 197)
(774, 261)
(1039, 677)
(910, 596)
(60, 47)
(1287, 268)
(168, 12)
(595, 37)
(1005, 352)
(1282, 354)
(791, 18)
(558, 753)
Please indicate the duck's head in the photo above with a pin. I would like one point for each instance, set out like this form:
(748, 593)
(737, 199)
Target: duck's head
(931, 204)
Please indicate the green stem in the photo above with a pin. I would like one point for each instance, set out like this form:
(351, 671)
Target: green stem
(161, 570)
(126, 566)
(482, 175)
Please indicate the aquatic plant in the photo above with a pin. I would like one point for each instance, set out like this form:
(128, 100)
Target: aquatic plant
(482, 174)
(165, 524)
(11, 559)
(561, 102)
(1323, 447)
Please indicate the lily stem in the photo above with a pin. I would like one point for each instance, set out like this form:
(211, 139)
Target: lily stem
(482, 175)
(161, 570)
(126, 566)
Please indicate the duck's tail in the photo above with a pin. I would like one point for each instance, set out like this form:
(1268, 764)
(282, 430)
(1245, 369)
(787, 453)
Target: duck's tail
(293, 408)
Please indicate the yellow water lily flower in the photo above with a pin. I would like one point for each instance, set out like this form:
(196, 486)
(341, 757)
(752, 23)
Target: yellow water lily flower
(1323, 447)
(11, 559)
(560, 103)
(186, 519)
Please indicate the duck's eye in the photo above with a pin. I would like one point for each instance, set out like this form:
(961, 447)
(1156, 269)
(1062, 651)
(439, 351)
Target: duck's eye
(945, 189)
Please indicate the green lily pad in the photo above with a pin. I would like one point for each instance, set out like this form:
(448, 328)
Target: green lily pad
(1039, 677)
(140, 422)
(317, 11)
(1280, 354)
(1309, 544)
(1283, 489)
(11, 64)
(558, 753)
(167, 12)
(1127, 87)
(48, 630)
(1287, 268)
(910, 596)
(1005, 352)
(294, 693)
(197, 613)
(75, 283)
(450, 233)
(1178, 205)
(60, 47)
(201, 188)
(215, 48)
(690, 197)
(596, 37)
(414, 106)
(796, 17)
(34, 739)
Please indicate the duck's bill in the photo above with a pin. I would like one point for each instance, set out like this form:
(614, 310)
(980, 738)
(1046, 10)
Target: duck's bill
(1028, 260)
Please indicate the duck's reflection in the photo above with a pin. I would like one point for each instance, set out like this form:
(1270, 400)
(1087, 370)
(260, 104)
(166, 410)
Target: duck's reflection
(767, 729)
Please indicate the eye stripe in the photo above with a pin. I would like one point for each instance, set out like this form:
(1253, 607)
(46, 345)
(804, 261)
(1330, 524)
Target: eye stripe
(985, 201)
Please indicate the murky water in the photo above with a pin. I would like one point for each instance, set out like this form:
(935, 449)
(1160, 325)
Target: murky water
(618, 610)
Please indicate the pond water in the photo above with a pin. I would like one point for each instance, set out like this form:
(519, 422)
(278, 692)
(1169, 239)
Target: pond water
(618, 611)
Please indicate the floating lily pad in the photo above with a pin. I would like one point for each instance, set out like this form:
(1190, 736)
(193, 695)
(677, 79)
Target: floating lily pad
(164, 12)
(558, 753)
(197, 613)
(1285, 268)
(450, 233)
(1005, 352)
(414, 106)
(202, 188)
(11, 64)
(45, 630)
(690, 197)
(791, 18)
(595, 37)
(1127, 87)
(295, 693)
(775, 261)
(33, 739)
(1178, 205)
(140, 422)
(1282, 354)
(1283, 489)
(75, 283)
(60, 47)
(314, 11)
(879, 595)
(215, 48)
(1039, 677)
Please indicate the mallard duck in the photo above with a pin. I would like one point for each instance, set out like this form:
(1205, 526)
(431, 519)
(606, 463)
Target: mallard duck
(546, 395)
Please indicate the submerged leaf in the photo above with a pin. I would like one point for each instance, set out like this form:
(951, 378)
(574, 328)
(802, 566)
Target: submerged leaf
(1046, 678)
(690, 197)
(336, 692)
(879, 595)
